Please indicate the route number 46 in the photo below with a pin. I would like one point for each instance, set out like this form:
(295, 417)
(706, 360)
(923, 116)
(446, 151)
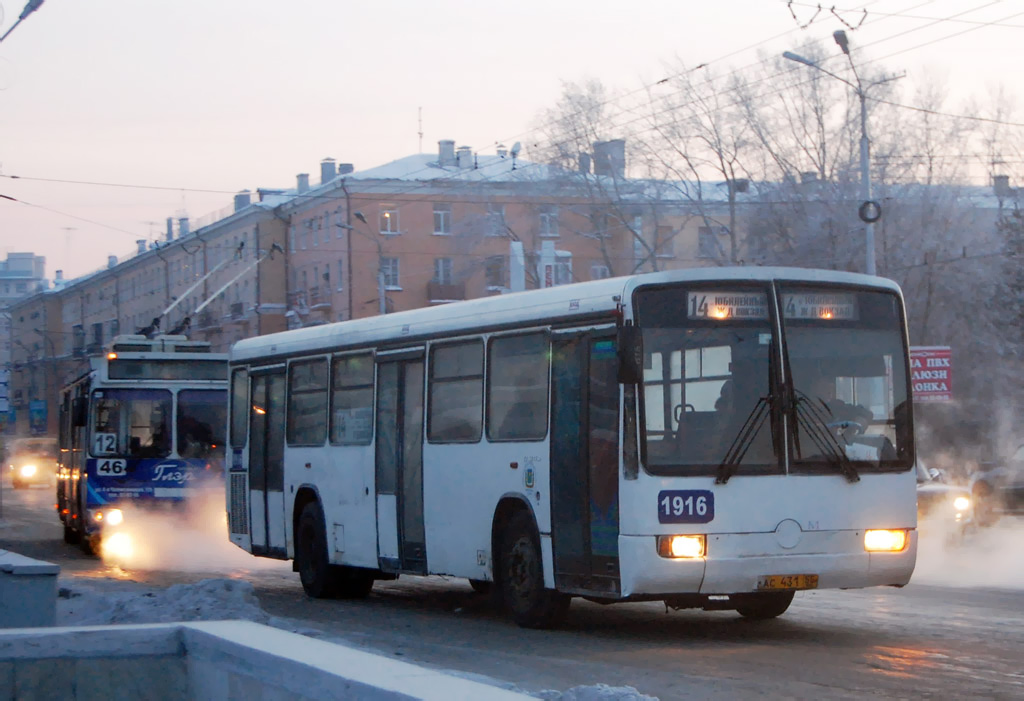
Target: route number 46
(110, 467)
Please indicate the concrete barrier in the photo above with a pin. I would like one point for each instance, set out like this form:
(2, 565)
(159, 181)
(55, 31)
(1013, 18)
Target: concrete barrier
(28, 591)
(220, 659)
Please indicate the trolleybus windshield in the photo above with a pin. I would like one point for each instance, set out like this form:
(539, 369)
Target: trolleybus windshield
(132, 423)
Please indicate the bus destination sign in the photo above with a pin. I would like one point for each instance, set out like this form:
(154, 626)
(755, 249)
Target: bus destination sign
(820, 305)
(727, 305)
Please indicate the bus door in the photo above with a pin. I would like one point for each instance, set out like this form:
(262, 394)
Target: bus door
(266, 462)
(584, 462)
(401, 538)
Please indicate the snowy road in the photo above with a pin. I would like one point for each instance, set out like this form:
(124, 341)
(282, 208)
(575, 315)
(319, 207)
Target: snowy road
(925, 640)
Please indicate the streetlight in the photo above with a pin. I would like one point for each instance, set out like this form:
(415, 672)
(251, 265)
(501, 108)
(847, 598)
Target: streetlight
(869, 211)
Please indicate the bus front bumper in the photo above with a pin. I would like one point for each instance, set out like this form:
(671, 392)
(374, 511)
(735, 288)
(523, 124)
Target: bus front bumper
(738, 563)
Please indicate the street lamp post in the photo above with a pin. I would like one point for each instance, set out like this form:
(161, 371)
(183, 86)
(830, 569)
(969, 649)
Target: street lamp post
(869, 211)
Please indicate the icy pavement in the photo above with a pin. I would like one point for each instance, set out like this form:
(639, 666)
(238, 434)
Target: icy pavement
(120, 602)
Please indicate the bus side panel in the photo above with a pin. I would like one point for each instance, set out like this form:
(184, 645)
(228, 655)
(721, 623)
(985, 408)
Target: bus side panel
(344, 478)
(462, 485)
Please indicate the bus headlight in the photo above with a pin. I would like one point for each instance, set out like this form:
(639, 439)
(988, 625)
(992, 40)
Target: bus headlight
(885, 541)
(115, 517)
(28, 470)
(686, 547)
(961, 503)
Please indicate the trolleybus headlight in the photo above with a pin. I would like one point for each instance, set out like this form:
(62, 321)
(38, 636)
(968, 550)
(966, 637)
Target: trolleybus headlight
(28, 470)
(682, 546)
(885, 541)
(115, 517)
(961, 503)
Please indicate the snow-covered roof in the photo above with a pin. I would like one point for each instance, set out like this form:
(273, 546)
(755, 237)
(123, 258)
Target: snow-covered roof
(425, 166)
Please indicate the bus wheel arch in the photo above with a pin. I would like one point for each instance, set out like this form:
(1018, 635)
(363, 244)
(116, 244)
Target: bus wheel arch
(519, 570)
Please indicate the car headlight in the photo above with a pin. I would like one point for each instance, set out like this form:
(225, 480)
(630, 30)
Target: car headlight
(885, 541)
(961, 503)
(28, 470)
(115, 517)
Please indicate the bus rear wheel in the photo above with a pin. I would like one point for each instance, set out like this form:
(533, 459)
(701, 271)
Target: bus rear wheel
(763, 605)
(522, 577)
(315, 572)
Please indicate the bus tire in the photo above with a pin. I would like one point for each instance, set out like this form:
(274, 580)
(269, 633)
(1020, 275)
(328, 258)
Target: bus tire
(319, 579)
(71, 536)
(522, 577)
(763, 605)
(90, 544)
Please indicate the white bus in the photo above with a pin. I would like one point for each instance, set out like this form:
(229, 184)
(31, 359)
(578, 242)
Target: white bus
(713, 438)
(143, 428)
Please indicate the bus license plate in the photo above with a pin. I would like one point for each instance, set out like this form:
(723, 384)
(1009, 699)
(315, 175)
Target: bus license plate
(772, 582)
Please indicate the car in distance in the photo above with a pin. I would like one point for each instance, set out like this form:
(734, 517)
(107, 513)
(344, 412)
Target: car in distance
(941, 502)
(32, 461)
(998, 488)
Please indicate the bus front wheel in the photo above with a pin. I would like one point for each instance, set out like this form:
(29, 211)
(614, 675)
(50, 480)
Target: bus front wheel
(522, 577)
(763, 605)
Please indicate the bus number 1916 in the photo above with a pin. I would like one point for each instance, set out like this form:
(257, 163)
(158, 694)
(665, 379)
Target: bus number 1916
(686, 506)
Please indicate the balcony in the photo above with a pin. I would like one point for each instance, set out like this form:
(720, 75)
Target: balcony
(319, 298)
(237, 311)
(441, 293)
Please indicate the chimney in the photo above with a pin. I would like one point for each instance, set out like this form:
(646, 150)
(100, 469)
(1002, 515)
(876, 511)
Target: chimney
(302, 184)
(1001, 185)
(808, 177)
(59, 276)
(345, 168)
(502, 151)
(327, 170)
(169, 236)
(111, 263)
(242, 200)
(446, 153)
(183, 230)
(739, 185)
(610, 158)
(464, 156)
(584, 162)
(141, 243)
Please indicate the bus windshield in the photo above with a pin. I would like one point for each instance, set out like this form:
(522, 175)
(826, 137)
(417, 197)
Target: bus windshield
(846, 354)
(202, 420)
(132, 423)
(707, 370)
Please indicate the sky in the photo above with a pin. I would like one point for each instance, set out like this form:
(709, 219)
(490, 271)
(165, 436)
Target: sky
(191, 101)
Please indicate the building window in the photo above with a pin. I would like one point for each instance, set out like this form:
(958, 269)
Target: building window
(665, 241)
(389, 266)
(389, 219)
(599, 272)
(707, 241)
(443, 271)
(495, 219)
(327, 227)
(563, 269)
(494, 271)
(442, 218)
(548, 220)
(341, 275)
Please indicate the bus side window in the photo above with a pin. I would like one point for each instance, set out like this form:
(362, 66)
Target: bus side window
(239, 407)
(307, 402)
(455, 410)
(352, 400)
(517, 387)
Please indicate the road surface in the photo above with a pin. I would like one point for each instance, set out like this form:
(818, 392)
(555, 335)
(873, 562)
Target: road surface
(921, 641)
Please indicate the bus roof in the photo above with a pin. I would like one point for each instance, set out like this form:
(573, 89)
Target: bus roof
(582, 300)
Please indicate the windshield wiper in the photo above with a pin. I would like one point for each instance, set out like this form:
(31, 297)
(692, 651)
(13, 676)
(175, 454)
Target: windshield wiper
(743, 440)
(814, 422)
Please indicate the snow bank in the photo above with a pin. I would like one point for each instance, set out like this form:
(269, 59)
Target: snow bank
(597, 692)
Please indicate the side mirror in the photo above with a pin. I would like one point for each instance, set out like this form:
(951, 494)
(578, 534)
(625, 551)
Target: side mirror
(79, 412)
(935, 473)
(631, 355)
